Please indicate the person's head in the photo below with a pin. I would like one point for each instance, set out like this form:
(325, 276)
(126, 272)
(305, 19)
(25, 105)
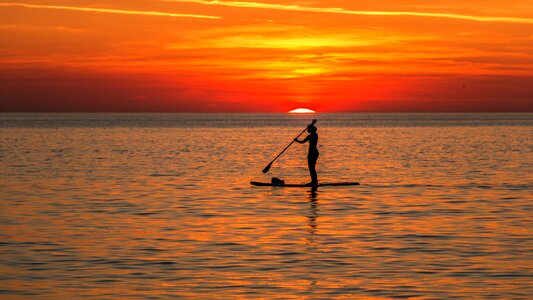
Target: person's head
(311, 128)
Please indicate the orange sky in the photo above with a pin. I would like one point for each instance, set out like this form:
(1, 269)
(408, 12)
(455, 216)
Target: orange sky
(266, 56)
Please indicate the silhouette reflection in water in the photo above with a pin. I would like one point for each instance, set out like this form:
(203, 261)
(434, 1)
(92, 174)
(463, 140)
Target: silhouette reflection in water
(312, 244)
(313, 211)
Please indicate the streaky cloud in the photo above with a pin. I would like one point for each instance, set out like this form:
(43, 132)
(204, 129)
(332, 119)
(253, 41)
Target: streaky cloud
(337, 10)
(106, 10)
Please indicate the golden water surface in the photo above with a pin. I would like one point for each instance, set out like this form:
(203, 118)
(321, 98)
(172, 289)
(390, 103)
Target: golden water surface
(93, 212)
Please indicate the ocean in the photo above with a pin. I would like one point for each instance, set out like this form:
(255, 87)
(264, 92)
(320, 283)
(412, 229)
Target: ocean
(157, 206)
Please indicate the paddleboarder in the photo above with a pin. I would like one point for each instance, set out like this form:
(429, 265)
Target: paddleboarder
(312, 155)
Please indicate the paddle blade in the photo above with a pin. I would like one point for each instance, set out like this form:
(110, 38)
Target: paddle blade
(267, 168)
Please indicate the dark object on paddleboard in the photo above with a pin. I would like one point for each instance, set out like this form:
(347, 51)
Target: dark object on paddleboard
(304, 184)
(276, 180)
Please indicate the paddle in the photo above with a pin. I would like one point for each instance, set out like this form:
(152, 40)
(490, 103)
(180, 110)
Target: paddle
(267, 168)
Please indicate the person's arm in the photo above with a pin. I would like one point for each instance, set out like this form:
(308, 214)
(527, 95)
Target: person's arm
(304, 140)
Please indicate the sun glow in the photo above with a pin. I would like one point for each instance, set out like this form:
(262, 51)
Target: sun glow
(302, 111)
(266, 56)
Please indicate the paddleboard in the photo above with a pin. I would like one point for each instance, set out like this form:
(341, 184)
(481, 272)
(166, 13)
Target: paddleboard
(303, 185)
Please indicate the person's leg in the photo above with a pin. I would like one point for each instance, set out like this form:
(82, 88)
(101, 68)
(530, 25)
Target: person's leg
(311, 162)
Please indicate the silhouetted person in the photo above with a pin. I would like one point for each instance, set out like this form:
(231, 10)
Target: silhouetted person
(312, 155)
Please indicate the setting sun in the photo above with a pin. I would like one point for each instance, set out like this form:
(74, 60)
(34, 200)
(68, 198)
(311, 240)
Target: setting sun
(302, 111)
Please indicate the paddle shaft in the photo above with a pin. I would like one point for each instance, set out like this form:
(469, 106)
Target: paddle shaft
(287, 146)
(267, 168)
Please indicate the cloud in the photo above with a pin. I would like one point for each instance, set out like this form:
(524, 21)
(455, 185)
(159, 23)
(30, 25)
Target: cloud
(337, 10)
(105, 10)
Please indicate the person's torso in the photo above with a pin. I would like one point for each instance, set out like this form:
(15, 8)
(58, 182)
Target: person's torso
(313, 141)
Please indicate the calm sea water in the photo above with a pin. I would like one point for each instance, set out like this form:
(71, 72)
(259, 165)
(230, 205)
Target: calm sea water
(150, 206)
